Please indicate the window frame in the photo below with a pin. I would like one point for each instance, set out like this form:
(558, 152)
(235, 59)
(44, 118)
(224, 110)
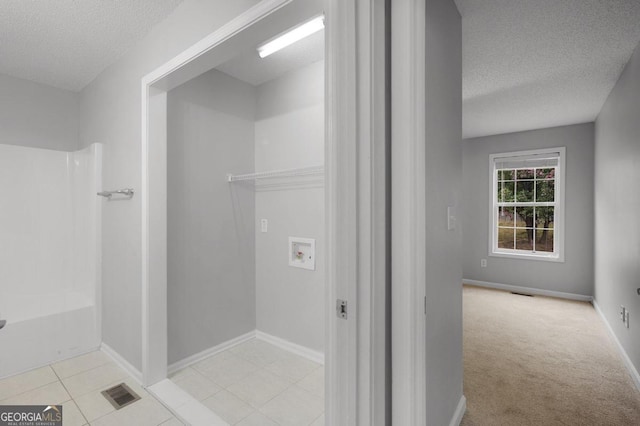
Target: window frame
(558, 227)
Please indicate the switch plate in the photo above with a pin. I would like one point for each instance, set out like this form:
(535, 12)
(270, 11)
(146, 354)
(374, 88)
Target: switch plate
(302, 253)
(626, 319)
(264, 224)
(451, 218)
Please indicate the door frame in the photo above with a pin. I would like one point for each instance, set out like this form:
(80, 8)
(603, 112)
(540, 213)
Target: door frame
(409, 237)
(355, 184)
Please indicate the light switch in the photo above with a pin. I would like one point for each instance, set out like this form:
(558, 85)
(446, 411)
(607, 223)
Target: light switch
(451, 218)
(264, 223)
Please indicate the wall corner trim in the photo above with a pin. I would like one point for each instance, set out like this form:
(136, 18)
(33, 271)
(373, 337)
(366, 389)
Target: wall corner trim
(625, 357)
(529, 290)
(459, 413)
(121, 362)
(303, 351)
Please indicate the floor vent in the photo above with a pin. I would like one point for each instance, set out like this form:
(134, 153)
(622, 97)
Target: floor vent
(521, 294)
(120, 396)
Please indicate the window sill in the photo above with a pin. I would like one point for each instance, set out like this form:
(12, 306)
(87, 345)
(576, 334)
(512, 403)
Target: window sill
(528, 256)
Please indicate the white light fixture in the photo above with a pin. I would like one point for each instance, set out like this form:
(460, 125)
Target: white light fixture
(291, 36)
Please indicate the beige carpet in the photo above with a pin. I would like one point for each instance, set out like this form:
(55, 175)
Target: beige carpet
(541, 361)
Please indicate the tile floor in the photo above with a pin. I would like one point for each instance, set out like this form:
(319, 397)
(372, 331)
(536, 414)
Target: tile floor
(76, 384)
(257, 384)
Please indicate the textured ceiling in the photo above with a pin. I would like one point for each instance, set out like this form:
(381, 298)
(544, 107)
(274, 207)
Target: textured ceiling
(252, 69)
(67, 43)
(530, 64)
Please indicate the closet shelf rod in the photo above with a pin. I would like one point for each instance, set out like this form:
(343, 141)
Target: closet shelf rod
(302, 171)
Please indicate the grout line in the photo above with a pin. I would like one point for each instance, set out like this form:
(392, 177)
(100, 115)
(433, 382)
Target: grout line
(47, 364)
(86, 422)
(37, 387)
(171, 411)
(84, 371)
(273, 420)
(251, 413)
(94, 390)
(308, 374)
(290, 383)
(70, 396)
(321, 414)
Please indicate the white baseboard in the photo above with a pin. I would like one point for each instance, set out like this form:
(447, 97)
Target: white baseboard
(459, 413)
(625, 358)
(183, 363)
(529, 290)
(121, 362)
(276, 341)
(303, 351)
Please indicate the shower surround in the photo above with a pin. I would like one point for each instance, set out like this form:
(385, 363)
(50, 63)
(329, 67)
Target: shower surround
(49, 255)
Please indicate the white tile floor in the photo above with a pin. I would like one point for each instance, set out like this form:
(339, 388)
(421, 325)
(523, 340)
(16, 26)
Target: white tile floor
(76, 384)
(258, 384)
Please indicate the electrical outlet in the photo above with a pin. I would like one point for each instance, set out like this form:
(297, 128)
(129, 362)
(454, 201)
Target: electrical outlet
(483, 263)
(264, 224)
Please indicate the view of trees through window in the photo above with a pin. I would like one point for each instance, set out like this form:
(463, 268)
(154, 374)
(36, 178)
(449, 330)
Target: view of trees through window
(526, 209)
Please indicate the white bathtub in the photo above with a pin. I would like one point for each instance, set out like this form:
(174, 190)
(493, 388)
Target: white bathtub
(30, 341)
(49, 255)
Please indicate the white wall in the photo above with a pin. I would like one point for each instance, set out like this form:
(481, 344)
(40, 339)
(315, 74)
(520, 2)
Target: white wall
(36, 115)
(211, 250)
(617, 206)
(575, 274)
(290, 134)
(443, 126)
(110, 109)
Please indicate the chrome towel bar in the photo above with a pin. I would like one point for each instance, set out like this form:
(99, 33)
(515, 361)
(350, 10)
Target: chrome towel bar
(127, 192)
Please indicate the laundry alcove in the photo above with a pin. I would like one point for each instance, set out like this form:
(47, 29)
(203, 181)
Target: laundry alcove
(245, 156)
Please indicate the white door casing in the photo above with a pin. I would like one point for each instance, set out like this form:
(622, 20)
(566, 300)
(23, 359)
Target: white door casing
(408, 190)
(355, 174)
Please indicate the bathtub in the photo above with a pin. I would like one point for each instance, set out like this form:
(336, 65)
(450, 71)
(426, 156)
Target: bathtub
(49, 255)
(67, 326)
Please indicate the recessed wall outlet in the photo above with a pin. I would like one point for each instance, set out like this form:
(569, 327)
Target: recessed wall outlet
(264, 224)
(302, 253)
(483, 263)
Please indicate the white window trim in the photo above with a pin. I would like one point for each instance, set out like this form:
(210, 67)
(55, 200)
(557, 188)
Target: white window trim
(559, 224)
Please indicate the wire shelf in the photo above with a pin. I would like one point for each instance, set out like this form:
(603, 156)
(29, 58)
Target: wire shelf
(302, 171)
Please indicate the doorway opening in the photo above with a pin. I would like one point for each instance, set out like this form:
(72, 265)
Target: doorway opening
(234, 235)
(245, 233)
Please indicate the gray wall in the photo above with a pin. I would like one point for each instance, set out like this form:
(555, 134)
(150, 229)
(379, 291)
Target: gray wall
(617, 206)
(290, 134)
(37, 115)
(575, 275)
(443, 187)
(110, 114)
(210, 235)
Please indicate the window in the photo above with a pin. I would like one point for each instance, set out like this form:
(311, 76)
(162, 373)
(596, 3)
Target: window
(527, 208)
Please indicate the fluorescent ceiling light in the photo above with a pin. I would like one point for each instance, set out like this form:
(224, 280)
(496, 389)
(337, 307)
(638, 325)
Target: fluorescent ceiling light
(291, 36)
